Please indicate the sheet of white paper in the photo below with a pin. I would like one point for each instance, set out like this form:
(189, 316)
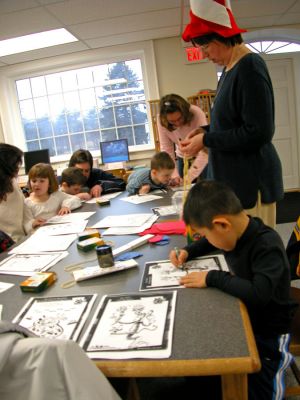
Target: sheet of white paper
(132, 326)
(108, 196)
(164, 210)
(162, 274)
(131, 230)
(72, 217)
(5, 286)
(40, 244)
(29, 264)
(137, 199)
(62, 229)
(56, 317)
(159, 191)
(122, 220)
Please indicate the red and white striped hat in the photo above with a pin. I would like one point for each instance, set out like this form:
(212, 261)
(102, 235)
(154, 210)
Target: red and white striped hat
(210, 16)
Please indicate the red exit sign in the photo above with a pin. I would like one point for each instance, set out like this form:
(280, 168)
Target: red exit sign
(193, 54)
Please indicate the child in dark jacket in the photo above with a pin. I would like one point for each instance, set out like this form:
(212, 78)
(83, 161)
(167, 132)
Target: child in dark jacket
(98, 181)
(259, 276)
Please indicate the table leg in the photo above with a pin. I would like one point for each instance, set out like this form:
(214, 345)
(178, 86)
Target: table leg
(235, 387)
(133, 390)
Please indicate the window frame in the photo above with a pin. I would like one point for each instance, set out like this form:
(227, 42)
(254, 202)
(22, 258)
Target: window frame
(10, 114)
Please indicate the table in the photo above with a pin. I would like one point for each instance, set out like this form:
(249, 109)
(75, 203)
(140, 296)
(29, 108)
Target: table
(212, 331)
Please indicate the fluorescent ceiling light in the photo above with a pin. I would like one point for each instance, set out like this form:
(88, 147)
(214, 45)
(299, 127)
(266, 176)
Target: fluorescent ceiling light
(35, 41)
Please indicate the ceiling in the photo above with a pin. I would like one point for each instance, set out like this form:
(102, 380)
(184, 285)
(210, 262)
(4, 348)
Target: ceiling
(101, 23)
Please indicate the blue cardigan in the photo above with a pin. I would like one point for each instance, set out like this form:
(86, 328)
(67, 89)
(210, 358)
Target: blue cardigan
(240, 134)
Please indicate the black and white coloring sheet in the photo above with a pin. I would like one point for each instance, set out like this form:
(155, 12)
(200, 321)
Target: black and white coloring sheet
(164, 275)
(56, 317)
(132, 326)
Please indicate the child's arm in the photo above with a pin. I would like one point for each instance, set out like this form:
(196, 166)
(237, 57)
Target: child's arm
(136, 180)
(68, 201)
(38, 222)
(83, 196)
(144, 189)
(64, 210)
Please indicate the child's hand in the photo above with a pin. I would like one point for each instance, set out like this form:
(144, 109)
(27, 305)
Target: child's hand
(38, 222)
(96, 191)
(181, 259)
(177, 181)
(64, 210)
(84, 196)
(194, 280)
(144, 189)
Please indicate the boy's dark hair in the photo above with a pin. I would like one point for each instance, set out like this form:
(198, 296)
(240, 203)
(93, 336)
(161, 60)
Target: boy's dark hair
(42, 170)
(228, 41)
(206, 200)
(10, 161)
(73, 176)
(81, 156)
(170, 104)
(162, 160)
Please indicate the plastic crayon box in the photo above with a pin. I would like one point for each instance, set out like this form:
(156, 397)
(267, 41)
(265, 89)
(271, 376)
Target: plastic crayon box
(38, 282)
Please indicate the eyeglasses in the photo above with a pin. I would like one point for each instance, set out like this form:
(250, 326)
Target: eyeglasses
(204, 47)
(175, 121)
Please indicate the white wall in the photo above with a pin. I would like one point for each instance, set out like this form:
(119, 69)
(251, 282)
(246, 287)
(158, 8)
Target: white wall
(174, 76)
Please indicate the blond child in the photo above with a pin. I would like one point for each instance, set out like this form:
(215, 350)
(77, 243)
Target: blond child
(158, 176)
(45, 200)
(73, 182)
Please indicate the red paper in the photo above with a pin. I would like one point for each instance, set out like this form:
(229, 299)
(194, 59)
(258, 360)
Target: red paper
(166, 228)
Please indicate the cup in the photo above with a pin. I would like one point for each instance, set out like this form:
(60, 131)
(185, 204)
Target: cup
(105, 256)
(177, 202)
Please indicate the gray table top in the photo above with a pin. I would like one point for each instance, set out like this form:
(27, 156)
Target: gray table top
(208, 323)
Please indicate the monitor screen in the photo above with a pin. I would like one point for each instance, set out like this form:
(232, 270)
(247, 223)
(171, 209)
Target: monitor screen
(114, 151)
(34, 157)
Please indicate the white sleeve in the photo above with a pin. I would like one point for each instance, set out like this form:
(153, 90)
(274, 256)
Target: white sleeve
(70, 201)
(47, 369)
(28, 219)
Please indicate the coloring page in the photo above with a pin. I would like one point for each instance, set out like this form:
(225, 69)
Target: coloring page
(34, 244)
(138, 199)
(72, 217)
(163, 274)
(129, 220)
(130, 326)
(62, 229)
(29, 264)
(56, 317)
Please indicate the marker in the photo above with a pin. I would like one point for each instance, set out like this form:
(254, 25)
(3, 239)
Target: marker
(182, 266)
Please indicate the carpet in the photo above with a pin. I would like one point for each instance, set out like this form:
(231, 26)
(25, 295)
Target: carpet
(288, 209)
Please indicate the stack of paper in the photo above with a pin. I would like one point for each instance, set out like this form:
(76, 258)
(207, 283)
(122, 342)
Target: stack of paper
(126, 224)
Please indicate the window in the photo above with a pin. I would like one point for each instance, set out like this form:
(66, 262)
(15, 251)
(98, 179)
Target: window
(273, 47)
(75, 109)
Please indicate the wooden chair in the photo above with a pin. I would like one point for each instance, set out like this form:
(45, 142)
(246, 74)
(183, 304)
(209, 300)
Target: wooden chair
(295, 342)
(204, 101)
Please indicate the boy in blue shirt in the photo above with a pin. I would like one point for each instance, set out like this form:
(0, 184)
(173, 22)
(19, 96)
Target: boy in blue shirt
(260, 275)
(158, 176)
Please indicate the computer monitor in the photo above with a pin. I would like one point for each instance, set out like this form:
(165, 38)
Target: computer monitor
(114, 151)
(34, 157)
